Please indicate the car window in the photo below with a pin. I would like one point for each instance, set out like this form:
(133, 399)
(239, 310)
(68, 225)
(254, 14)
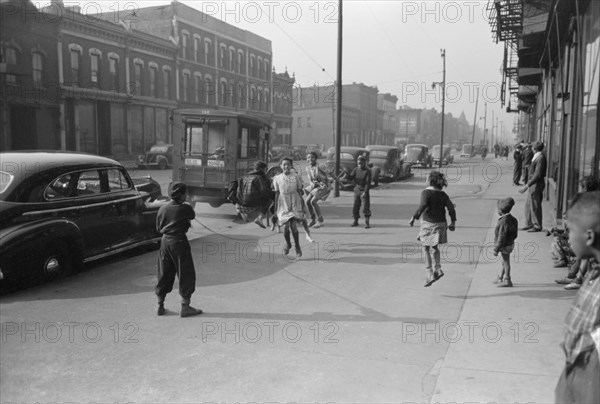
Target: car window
(89, 183)
(5, 180)
(117, 180)
(60, 188)
(379, 154)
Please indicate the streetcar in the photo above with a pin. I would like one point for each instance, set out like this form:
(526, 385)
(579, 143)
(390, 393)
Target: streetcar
(212, 148)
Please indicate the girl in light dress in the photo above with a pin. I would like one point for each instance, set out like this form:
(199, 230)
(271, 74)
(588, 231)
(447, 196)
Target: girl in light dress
(289, 205)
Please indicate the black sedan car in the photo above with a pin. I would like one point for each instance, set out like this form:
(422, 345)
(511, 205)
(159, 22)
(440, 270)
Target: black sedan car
(348, 161)
(159, 156)
(390, 161)
(59, 210)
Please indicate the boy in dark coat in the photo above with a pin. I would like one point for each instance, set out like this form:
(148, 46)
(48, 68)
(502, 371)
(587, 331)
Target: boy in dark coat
(504, 239)
(174, 257)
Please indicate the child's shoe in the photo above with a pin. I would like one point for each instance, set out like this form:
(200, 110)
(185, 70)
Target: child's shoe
(507, 283)
(438, 274)
(286, 249)
(309, 238)
(298, 252)
(498, 280)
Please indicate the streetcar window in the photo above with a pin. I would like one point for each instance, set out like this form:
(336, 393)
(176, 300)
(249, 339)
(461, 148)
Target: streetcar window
(194, 139)
(216, 137)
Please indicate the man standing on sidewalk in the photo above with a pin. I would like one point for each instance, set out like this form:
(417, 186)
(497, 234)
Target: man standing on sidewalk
(580, 379)
(174, 257)
(535, 186)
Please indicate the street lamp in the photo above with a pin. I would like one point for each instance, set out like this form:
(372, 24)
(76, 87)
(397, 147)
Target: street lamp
(443, 85)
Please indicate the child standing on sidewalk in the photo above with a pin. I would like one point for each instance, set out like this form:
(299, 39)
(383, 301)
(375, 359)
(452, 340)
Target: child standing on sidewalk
(433, 231)
(504, 239)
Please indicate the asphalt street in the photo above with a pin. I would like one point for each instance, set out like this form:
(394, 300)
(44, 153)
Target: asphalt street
(348, 322)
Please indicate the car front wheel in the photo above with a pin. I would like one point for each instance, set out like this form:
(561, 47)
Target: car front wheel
(162, 164)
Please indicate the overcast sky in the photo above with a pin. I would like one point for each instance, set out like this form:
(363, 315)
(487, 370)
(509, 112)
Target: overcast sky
(394, 45)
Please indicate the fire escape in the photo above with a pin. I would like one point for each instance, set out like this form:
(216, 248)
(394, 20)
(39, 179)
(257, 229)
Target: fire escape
(506, 19)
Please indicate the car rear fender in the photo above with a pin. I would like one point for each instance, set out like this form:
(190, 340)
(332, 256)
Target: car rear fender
(38, 231)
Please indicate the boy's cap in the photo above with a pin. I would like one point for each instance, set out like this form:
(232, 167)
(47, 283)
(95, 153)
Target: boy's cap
(361, 158)
(178, 189)
(505, 205)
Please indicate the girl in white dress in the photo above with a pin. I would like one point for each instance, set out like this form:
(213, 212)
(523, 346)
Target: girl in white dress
(289, 204)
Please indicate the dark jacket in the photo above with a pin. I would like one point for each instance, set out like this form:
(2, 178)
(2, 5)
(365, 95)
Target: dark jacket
(527, 156)
(361, 178)
(506, 232)
(175, 218)
(433, 206)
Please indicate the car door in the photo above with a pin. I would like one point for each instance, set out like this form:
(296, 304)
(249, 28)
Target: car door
(126, 208)
(99, 217)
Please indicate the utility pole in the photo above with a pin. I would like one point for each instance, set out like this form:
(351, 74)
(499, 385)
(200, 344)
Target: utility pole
(338, 137)
(474, 121)
(484, 123)
(492, 137)
(443, 85)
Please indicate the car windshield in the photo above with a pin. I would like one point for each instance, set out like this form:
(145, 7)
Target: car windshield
(414, 151)
(5, 180)
(160, 149)
(378, 154)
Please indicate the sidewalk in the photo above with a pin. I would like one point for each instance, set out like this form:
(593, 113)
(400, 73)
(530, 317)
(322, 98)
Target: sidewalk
(512, 353)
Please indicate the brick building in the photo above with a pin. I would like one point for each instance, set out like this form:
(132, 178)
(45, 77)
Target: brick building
(29, 104)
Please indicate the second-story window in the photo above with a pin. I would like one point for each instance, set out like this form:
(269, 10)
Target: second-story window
(251, 65)
(223, 93)
(198, 88)
(75, 62)
(186, 84)
(166, 83)
(231, 60)
(222, 56)
(137, 78)
(239, 62)
(153, 81)
(95, 67)
(113, 69)
(36, 64)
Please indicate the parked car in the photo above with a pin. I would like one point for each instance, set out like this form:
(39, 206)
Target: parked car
(59, 210)
(467, 151)
(418, 155)
(298, 152)
(159, 156)
(314, 148)
(390, 161)
(281, 150)
(348, 161)
(447, 157)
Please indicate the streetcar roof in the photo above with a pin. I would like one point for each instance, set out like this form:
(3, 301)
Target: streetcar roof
(201, 113)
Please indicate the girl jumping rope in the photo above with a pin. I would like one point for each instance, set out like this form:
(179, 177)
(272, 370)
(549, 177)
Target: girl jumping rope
(434, 202)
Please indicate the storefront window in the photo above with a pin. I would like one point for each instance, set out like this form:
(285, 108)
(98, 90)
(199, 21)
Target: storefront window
(588, 117)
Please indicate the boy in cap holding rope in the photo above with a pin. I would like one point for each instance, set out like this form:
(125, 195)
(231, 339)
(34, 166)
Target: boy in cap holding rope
(174, 257)
(505, 234)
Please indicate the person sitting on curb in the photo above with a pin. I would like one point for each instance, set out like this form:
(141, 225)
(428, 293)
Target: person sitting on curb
(578, 382)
